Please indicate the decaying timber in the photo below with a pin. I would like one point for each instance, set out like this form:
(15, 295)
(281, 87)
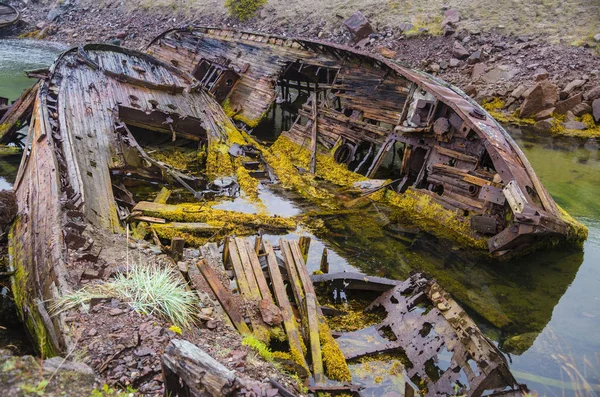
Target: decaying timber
(455, 157)
(8, 15)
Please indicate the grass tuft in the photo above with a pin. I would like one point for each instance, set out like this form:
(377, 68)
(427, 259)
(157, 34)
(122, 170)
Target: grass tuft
(148, 289)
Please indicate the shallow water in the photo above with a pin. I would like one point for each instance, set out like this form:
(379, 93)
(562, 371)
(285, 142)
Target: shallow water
(552, 297)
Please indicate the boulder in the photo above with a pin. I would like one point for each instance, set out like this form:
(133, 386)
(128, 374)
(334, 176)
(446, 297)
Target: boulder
(563, 106)
(581, 109)
(596, 110)
(478, 71)
(592, 94)
(575, 125)
(544, 125)
(543, 96)
(459, 51)
(405, 27)
(474, 58)
(569, 88)
(501, 72)
(359, 26)
(544, 114)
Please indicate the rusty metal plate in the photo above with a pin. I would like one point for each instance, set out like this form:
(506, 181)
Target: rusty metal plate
(484, 224)
(492, 194)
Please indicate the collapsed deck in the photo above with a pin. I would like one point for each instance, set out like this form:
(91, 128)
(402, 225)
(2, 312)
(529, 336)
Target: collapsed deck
(360, 106)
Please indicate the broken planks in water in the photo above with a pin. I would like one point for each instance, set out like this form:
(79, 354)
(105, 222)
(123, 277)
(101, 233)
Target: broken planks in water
(259, 293)
(18, 114)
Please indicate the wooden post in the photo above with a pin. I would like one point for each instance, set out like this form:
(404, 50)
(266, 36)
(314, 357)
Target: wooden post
(293, 276)
(304, 246)
(313, 142)
(324, 263)
(177, 244)
(257, 243)
(226, 252)
(258, 273)
(238, 270)
(247, 268)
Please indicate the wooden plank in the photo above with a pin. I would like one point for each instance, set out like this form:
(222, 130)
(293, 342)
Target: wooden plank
(293, 276)
(303, 274)
(149, 219)
(242, 251)
(238, 269)
(224, 296)
(258, 273)
(315, 343)
(324, 267)
(289, 321)
(455, 154)
(162, 196)
(313, 142)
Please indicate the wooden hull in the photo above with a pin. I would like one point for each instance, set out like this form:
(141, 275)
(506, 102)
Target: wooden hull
(8, 15)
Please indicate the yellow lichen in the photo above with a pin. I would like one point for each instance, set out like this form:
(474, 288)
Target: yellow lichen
(420, 209)
(577, 232)
(493, 104)
(335, 364)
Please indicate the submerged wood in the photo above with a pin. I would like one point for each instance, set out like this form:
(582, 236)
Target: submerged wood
(372, 100)
(8, 15)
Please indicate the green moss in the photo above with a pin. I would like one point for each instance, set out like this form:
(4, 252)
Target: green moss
(244, 9)
(260, 347)
(335, 364)
(433, 26)
(577, 232)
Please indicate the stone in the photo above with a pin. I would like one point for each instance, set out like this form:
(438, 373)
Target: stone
(433, 68)
(211, 324)
(54, 364)
(449, 30)
(386, 52)
(575, 125)
(359, 26)
(144, 351)
(478, 71)
(405, 27)
(471, 90)
(568, 104)
(581, 109)
(569, 116)
(540, 74)
(569, 88)
(116, 312)
(459, 51)
(501, 72)
(597, 37)
(121, 35)
(453, 62)
(543, 96)
(451, 17)
(592, 94)
(517, 92)
(596, 110)
(544, 125)
(474, 58)
(544, 114)
(528, 91)
(90, 274)
(270, 313)
(92, 332)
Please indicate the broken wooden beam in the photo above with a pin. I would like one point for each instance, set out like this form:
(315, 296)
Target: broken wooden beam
(355, 281)
(177, 244)
(315, 344)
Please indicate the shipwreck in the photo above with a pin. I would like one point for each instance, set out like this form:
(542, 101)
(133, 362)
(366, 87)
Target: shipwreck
(356, 107)
(123, 146)
(9, 15)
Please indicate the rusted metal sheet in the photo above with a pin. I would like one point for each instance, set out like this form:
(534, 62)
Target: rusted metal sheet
(453, 150)
(447, 352)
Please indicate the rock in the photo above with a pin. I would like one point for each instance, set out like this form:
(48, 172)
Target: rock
(92, 332)
(517, 92)
(144, 351)
(54, 364)
(540, 74)
(520, 343)
(90, 274)
(114, 42)
(474, 58)
(444, 65)
(211, 324)
(359, 26)
(433, 68)
(597, 37)
(116, 312)
(568, 104)
(270, 313)
(386, 52)
(405, 27)
(581, 109)
(592, 94)
(570, 88)
(478, 71)
(575, 125)
(596, 110)
(569, 116)
(501, 72)
(121, 35)
(543, 96)
(459, 51)
(451, 16)
(544, 125)
(471, 90)
(528, 91)
(544, 114)
(449, 30)
(453, 62)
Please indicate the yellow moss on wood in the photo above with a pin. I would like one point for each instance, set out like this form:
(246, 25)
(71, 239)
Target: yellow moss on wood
(577, 232)
(422, 211)
(335, 364)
